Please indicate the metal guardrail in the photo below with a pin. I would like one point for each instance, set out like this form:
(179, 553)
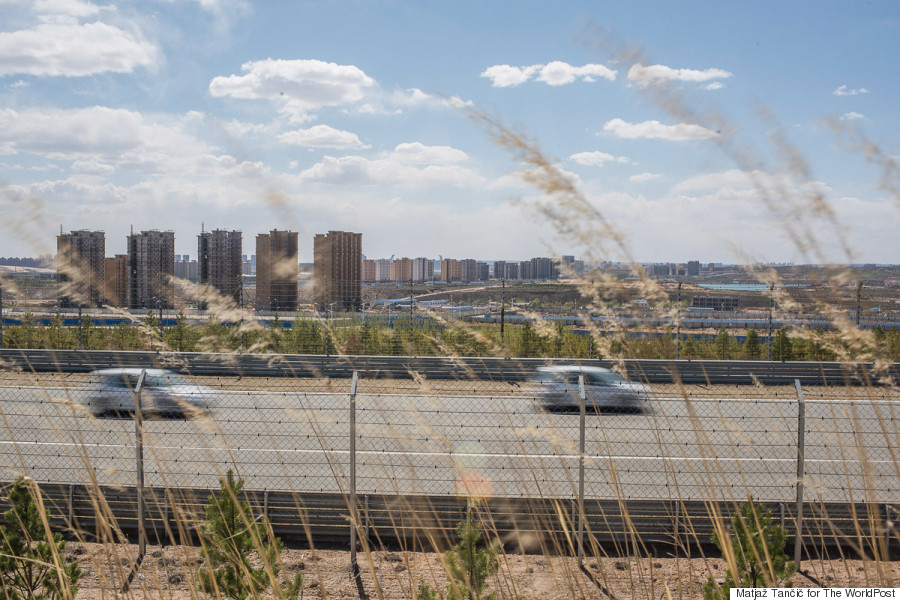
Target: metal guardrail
(443, 368)
(546, 523)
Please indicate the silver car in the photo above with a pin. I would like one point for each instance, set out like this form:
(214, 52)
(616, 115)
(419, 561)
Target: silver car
(557, 388)
(163, 394)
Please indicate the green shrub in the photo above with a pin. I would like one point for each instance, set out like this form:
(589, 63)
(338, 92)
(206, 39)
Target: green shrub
(31, 564)
(754, 549)
(230, 536)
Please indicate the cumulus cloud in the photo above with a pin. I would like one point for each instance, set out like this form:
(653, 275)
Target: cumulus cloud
(555, 73)
(60, 9)
(852, 116)
(298, 87)
(101, 132)
(844, 91)
(322, 136)
(507, 75)
(419, 153)
(657, 130)
(653, 74)
(597, 158)
(644, 177)
(410, 165)
(559, 73)
(73, 50)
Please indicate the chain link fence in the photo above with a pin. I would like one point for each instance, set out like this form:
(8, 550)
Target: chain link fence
(446, 438)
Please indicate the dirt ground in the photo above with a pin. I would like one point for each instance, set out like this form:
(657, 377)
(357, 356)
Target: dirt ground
(170, 573)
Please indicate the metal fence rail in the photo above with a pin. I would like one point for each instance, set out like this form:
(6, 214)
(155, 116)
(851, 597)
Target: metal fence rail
(459, 444)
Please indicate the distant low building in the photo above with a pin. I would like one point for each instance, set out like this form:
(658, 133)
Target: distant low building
(723, 303)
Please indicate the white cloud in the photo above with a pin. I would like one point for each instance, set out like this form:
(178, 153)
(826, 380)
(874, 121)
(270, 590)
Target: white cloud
(653, 74)
(507, 76)
(99, 132)
(715, 85)
(852, 116)
(555, 73)
(322, 136)
(420, 154)
(597, 158)
(657, 130)
(74, 50)
(410, 165)
(733, 178)
(644, 177)
(559, 73)
(843, 91)
(55, 10)
(297, 87)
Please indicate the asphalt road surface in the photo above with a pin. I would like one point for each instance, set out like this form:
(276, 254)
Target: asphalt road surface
(503, 446)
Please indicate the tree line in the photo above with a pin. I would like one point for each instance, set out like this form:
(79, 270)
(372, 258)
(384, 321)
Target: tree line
(403, 336)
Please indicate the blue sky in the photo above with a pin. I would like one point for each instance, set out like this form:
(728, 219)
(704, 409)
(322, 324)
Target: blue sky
(354, 115)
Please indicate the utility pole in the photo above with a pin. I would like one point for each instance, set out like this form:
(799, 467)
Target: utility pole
(502, 316)
(411, 316)
(769, 323)
(678, 322)
(858, 301)
(241, 291)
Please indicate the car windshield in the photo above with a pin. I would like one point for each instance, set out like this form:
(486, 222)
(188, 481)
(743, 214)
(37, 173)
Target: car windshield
(569, 377)
(604, 378)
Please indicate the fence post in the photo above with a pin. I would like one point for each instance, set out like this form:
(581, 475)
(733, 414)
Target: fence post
(801, 449)
(582, 400)
(139, 458)
(354, 521)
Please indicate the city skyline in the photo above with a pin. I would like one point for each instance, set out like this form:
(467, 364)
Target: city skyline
(357, 117)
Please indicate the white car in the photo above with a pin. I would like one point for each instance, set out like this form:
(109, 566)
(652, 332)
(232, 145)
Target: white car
(163, 394)
(557, 388)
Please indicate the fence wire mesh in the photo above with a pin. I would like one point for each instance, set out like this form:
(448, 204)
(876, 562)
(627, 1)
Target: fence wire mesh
(493, 439)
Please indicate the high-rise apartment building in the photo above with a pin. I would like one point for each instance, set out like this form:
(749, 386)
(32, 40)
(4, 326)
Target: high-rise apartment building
(277, 271)
(151, 267)
(467, 269)
(368, 270)
(116, 280)
(337, 266)
(401, 269)
(81, 268)
(422, 269)
(220, 264)
(383, 269)
(451, 270)
(693, 268)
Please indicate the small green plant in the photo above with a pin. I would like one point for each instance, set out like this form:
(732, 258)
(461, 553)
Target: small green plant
(230, 536)
(470, 563)
(426, 592)
(31, 564)
(756, 553)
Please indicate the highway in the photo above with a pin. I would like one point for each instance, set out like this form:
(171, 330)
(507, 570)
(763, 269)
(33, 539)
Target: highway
(505, 446)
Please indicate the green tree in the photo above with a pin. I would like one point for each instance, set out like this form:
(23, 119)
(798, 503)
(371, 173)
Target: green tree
(781, 346)
(751, 345)
(31, 564)
(755, 551)
(230, 536)
(723, 345)
(181, 337)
